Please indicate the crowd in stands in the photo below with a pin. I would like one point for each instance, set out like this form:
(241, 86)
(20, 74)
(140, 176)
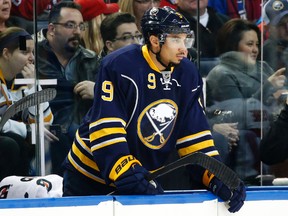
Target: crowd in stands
(245, 94)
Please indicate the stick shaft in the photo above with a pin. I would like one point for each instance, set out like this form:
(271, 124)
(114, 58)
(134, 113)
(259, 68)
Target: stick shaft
(220, 170)
(28, 101)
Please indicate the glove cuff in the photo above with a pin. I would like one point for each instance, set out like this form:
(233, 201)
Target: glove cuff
(207, 177)
(121, 166)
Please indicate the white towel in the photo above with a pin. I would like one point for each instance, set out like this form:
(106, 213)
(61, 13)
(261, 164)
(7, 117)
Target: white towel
(31, 187)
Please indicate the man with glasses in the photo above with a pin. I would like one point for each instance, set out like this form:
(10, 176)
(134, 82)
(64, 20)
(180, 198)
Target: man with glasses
(62, 57)
(118, 30)
(146, 105)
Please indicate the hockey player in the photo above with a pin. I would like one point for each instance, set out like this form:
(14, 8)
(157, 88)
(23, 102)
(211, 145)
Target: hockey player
(146, 104)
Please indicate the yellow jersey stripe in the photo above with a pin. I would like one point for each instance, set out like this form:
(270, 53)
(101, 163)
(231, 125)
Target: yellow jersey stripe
(107, 143)
(193, 137)
(84, 159)
(106, 131)
(82, 143)
(196, 147)
(107, 120)
(83, 171)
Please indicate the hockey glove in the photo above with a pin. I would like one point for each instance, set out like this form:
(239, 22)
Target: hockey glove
(235, 198)
(133, 181)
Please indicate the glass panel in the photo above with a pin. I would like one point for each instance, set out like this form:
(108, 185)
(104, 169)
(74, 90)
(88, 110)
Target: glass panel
(244, 93)
(275, 36)
(19, 81)
(42, 134)
(240, 106)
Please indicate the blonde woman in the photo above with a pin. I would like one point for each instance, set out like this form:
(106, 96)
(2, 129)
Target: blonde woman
(136, 8)
(92, 37)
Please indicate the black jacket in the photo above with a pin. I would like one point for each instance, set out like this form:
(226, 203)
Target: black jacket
(207, 34)
(274, 145)
(67, 108)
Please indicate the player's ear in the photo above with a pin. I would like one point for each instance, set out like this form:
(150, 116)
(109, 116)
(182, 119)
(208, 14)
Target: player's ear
(154, 41)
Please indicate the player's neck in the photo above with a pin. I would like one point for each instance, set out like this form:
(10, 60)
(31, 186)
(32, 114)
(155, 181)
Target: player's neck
(158, 64)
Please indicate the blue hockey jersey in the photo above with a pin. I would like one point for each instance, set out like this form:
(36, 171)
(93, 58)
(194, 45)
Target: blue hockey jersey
(140, 114)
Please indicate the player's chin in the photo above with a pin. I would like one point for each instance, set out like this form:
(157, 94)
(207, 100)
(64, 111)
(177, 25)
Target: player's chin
(178, 60)
(180, 57)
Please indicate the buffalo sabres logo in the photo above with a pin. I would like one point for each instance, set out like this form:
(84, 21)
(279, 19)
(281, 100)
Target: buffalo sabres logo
(154, 11)
(156, 123)
(277, 5)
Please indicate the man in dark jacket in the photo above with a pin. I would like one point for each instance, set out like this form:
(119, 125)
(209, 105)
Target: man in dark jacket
(274, 145)
(61, 57)
(210, 22)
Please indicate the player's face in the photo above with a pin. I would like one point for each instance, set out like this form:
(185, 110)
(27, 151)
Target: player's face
(174, 49)
(127, 33)
(65, 36)
(5, 7)
(249, 45)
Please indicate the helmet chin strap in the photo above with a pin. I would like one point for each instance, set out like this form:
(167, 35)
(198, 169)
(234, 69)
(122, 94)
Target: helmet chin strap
(167, 67)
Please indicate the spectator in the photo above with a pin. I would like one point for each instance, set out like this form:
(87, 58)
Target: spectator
(118, 141)
(92, 37)
(274, 145)
(62, 57)
(244, 9)
(93, 8)
(170, 3)
(22, 13)
(156, 3)
(239, 75)
(210, 22)
(93, 14)
(25, 8)
(5, 8)
(118, 30)
(17, 59)
(275, 48)
(136, 8)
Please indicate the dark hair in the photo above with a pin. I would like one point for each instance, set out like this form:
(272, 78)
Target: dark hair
(56, 9)
(283, 21)
(231, 33)
(13, 38)
(108, 27)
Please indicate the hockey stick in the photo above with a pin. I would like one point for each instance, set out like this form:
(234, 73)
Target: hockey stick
(219, 169)
(27, 101)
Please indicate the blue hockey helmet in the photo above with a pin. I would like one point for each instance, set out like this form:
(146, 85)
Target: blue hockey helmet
(160, 21)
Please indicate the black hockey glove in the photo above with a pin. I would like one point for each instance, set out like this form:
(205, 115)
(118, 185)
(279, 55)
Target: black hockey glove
(235, 198)
(133, 181)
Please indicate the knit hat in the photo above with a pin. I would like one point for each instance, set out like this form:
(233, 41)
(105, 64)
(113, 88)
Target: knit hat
(275, 10)
(92, 8)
